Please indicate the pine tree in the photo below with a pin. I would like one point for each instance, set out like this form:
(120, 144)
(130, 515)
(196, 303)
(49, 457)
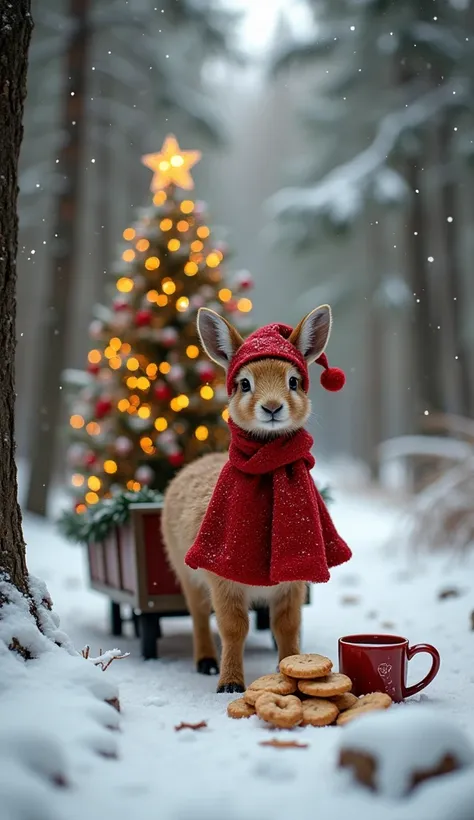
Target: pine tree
(150, 400)
(413, 62)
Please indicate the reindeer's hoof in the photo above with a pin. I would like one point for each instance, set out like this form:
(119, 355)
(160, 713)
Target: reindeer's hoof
(230, 688)
(207, 666)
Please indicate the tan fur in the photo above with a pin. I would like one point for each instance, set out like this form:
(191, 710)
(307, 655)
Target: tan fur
(188, 495)
(271, 380)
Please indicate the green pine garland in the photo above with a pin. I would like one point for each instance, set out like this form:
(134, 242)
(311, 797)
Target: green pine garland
(97, 522)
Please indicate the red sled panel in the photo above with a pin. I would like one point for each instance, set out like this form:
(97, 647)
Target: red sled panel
(160, 578)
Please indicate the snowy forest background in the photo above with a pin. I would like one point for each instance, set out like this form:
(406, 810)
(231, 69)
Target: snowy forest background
(338, 148)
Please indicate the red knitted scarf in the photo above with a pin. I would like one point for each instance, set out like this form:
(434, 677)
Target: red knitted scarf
(266, 522)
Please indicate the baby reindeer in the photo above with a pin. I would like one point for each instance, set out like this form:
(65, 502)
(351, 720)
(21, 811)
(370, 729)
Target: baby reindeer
(267, 382)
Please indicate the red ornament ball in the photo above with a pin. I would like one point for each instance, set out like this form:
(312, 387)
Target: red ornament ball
(162, 392)
(90, 459)
(102, 408)
(143, 318)
(176, 459)
(231, 306)
(93, 368)
(206, 373)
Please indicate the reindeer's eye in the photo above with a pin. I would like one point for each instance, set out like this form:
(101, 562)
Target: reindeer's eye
(245, 385)
(293, 383)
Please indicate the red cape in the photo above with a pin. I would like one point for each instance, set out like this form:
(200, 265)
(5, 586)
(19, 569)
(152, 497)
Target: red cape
(266, 522)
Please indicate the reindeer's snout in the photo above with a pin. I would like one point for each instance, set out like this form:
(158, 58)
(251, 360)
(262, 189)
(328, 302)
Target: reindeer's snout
(272, 407)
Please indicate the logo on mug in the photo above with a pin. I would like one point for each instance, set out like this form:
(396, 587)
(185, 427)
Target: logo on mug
(384, 669)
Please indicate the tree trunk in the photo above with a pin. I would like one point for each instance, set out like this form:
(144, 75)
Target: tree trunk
(104, 186)
(15, 31)
(456, 366)
(425, 341)
(58, 308)
(375, 348)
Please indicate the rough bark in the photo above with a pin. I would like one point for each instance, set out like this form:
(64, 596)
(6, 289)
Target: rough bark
(58, 307)
(15, 31)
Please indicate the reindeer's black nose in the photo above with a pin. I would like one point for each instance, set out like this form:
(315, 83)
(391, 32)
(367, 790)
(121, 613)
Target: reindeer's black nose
(272, 408)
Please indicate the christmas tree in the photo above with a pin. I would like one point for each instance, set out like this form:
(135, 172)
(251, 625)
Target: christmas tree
(150, 400)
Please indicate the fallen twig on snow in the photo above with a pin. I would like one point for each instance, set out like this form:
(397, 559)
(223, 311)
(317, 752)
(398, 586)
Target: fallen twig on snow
(104, 659)
(194, 726)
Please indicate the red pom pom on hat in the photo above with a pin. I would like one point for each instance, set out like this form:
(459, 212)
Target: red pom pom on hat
(332, 378)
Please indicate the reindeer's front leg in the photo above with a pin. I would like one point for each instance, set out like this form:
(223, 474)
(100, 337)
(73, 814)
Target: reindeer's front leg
(231, 608)
(285, 617)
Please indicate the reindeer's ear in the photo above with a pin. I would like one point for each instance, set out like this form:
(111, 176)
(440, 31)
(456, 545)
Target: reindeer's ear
(312, 334)
(219, 338)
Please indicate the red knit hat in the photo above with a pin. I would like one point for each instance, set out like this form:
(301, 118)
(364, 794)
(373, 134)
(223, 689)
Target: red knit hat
(271, 341)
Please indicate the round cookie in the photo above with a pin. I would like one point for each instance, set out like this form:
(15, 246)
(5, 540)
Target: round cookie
(367, 703)
(319, 712)
(345, 701)
(279, 710)
(306, 666)
(277, 683)
(240, 709)
(333, 684)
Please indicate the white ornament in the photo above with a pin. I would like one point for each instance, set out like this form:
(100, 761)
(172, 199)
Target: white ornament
(169, 336)
(138, 424)
(121, 320)
(144, 474)
(96, 329)
(76, 454)
(123, 445)
(166, 441)
(176, 374)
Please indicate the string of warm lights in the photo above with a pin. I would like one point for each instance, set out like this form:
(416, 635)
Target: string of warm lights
(154, 402)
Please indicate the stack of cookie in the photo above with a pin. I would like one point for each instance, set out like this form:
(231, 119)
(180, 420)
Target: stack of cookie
(305, 693)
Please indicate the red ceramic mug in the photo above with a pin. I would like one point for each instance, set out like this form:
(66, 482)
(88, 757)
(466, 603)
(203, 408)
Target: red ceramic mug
(379, 663)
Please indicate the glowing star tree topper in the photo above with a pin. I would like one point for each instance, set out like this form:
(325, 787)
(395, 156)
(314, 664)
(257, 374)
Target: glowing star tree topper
(171, 165)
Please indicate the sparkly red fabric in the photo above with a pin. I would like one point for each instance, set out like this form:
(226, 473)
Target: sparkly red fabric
(269, 341)
(272, 341)
(266, 522)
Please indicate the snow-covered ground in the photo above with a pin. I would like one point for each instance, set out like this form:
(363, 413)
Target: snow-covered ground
(222, 771)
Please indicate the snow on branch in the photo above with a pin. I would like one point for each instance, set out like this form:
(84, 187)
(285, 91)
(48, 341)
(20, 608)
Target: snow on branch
(341, 194)
(441, 38)
(104, 659)
(308, 48)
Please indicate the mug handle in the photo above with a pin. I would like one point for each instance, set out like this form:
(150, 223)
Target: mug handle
(414, 650)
